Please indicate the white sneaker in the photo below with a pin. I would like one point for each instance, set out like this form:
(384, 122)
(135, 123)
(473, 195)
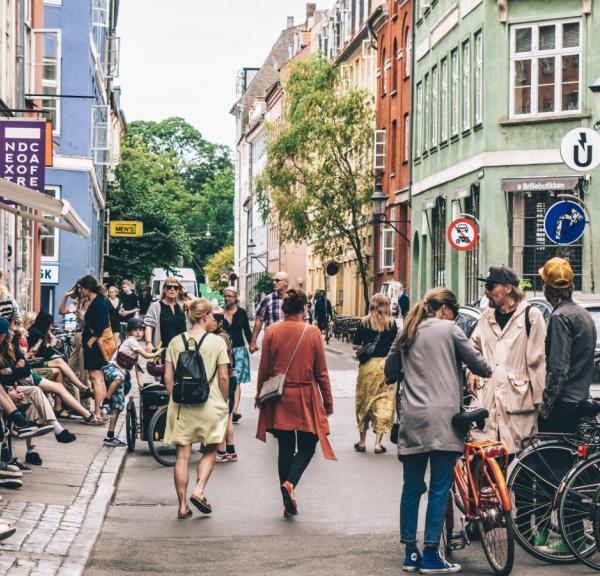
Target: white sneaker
(7, 530)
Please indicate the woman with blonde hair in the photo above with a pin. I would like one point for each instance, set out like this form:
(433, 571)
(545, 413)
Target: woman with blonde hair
(431, 350)
(206, 423)
(374, 399)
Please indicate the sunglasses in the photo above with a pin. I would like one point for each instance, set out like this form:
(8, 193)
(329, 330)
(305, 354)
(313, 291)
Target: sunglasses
(277, 280)
(489, 286)
(172, 287)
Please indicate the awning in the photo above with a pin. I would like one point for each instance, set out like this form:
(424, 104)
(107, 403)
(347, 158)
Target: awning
(50, 208)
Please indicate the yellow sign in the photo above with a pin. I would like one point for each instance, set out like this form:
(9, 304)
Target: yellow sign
(127, 228)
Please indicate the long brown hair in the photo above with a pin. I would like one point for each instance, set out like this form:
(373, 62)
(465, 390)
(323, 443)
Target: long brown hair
(7, 351)
(380, 316)
(423, 309)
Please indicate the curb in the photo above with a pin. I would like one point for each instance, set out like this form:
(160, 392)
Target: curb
(81, 549)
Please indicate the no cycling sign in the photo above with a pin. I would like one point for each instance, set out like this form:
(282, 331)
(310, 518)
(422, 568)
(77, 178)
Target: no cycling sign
(463, 234)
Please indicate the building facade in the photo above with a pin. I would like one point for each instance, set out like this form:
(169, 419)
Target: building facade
(497, 85)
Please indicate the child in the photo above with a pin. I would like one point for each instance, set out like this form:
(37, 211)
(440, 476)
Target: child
(117, 375)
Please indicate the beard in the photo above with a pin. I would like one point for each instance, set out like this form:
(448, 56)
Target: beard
(492, 303)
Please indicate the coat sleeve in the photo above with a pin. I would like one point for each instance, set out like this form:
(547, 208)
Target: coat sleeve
(264, 367)
(468, 354)
(536, 354)
(393, 362)
(321, 373)
(558, 360)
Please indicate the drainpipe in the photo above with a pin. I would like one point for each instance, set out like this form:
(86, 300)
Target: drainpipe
(21, 55)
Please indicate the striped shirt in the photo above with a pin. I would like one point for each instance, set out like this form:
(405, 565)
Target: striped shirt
(269, 310)
(9, 309)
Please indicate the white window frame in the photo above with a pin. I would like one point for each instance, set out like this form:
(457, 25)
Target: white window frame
(113, 56)
(406, 156)
(56, 255)
(454, 91)
(466, 85)
(101, 154)
(434, 106)
(100, 13)
(426, 112)
(408, 51)
(53, 2)
(419, 119)
(379, 149)
(478, 78)
(387, 248)
(534, 55)
(38, 60)
(444, 100)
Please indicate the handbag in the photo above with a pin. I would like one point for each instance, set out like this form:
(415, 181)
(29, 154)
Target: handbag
(107, 344)
(364, 354)
(272, 388)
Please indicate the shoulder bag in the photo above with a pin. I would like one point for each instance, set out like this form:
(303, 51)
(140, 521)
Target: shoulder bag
(272, 387)
(107, 344)
(364, 354)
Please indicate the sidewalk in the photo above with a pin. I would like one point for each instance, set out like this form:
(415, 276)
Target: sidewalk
(60, 509)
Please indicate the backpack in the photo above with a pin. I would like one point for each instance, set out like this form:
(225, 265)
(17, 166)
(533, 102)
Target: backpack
(191, 384)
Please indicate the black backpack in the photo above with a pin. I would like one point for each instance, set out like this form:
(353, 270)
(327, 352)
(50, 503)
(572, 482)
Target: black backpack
(191, 384)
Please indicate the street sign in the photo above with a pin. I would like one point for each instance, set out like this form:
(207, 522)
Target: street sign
(49, 274)
(463, 234)
(580, 149)
(126, 228)
(564, 222)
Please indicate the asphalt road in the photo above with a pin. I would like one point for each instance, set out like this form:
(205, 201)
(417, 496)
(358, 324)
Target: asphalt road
(348, 521)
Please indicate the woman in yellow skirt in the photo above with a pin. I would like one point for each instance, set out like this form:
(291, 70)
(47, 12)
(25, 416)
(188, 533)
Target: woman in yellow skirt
(374, 398)
(204, 423)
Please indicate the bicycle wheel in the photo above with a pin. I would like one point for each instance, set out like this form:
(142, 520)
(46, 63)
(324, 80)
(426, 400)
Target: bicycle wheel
(163, 453)
(131, 425)
(494, 522)
(578, 512)
(533, 482)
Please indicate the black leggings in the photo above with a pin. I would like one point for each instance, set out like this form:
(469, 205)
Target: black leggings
(292, 463)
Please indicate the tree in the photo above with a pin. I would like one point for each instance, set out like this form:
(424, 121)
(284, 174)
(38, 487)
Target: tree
(263, 285)
(217, 265)
(319, 176)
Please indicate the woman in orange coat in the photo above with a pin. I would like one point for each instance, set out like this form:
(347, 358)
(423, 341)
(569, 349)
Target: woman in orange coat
(299, 418)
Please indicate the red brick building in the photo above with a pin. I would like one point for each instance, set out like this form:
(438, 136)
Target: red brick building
(393, 27)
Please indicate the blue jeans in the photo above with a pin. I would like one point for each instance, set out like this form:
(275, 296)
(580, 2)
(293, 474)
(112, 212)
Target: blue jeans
(442, 464)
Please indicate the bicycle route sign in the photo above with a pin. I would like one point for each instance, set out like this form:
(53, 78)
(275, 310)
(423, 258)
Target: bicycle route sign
(463, 234)
(564, 222)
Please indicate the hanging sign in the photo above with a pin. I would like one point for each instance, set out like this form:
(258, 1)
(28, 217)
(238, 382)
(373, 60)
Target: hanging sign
(463, 234)
(564, 222)
(126, 228)
(580, 149)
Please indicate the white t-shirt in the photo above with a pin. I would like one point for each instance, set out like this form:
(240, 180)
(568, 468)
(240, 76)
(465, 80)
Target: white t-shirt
(131, 346)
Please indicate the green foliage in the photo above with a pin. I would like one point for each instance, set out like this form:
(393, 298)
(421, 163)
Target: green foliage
(218, 264)
(525, 284)
(181, 187)
(263, 285)
(319, 174)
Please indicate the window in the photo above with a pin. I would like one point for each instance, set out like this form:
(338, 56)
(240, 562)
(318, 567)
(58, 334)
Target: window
(426, 113)
(394, 67)
(394, 155)
(419, 119)
(439, 242)
(49, 235)
(444, 100)
(472, 256)
(113, 48)
(48, 58)
(101, 135)
(379, 149)
(53, 2)
(466, 86)
(406, 157)
(434, 106)
(478, 78)
(387, 248)
(407, 52)
(545, 69)
(454, 93)
(100, 13)
(383, 72)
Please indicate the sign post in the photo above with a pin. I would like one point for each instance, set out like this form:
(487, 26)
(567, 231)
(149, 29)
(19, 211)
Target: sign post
(127, 228)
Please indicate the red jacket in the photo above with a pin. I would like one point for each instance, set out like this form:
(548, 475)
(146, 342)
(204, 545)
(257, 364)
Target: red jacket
(307, 399)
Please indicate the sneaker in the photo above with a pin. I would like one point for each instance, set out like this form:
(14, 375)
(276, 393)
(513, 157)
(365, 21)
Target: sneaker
(20, 465)
(114, 442)
(541, 538)
(287, 492)
(557, 548)
(412, 559)
(222, 458)
(9, 471)
(65, 437)
(13, 483)
(433, 563)
(32, 430)
(232, 457)
(7, 530)
(33, 458)
(235, 417)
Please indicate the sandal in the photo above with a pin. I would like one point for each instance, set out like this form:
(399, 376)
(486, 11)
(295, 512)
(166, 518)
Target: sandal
(93, 421)
(360, 448)
(201, 504)
(187, 514)
(380, 450)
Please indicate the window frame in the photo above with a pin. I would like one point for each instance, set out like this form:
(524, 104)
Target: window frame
(444, 101)
(406, 148)
(379, 141)
(394, 148)
(478, 42)
(534, 55)
(466, 85)
(56, 235)
(387, 236)
(434, 106)
(454, 93)
(101, 7)
(419, 119)
(56, 84)
(95, 148)
(426, 111)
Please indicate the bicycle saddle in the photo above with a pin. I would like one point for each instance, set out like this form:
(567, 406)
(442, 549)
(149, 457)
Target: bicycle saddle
(589, 407)
(463, 420)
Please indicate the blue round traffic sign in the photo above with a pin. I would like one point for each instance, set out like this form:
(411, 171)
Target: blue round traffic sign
(564, 222)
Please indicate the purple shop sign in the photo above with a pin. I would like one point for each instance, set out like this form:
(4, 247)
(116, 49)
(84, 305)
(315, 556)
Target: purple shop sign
(22, 153)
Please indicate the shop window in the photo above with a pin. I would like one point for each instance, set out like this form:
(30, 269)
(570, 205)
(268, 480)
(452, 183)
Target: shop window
(546, 68)
(438, 231)
(472, 256)
(530, 246)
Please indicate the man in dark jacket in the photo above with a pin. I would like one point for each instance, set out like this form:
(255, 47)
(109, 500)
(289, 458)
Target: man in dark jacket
(570, 347)
(323, 311)
(403, 303)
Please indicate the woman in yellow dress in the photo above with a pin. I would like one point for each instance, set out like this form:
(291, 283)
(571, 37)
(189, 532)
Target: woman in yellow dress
(206, 423)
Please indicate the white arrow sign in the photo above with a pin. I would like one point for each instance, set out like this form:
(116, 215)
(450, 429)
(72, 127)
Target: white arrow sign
(580, 149)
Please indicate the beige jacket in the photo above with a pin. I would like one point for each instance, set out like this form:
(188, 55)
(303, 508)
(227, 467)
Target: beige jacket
(514, 392)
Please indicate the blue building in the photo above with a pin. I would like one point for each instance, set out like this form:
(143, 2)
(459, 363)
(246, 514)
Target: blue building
(80, 62)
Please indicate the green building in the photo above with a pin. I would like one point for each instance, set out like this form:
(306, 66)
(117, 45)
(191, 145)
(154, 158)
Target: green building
(497, 85)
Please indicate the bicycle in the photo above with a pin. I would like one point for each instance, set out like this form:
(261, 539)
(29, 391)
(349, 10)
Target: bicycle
(479, 491)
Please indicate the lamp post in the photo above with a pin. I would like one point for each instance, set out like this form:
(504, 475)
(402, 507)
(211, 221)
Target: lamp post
(595, 89)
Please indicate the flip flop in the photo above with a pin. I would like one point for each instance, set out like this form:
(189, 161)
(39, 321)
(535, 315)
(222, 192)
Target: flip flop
(360, 448)
(201, 504)
(380, 450)
(184, 516)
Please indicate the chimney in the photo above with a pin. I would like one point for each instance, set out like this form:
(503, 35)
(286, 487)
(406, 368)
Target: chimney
(311, 8)
(290, 21)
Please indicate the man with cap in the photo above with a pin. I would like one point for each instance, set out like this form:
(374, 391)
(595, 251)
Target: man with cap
(510, 336)
(570, 347)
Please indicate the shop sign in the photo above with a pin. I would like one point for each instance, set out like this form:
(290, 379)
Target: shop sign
(580, 149)
(23, 153)
(127, 228)
(49, 274)
(564, 222)
(463, 234)
(557, 184)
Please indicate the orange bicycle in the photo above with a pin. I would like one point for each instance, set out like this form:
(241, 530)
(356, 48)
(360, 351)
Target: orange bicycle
(479, 491)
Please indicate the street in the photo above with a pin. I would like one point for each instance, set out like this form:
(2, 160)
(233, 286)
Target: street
(348, 521)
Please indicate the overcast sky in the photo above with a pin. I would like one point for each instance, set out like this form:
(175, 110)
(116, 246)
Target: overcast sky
(180, 57)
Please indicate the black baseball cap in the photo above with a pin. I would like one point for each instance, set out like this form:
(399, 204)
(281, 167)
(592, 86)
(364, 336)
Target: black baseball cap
(134, 324)
(501, 275)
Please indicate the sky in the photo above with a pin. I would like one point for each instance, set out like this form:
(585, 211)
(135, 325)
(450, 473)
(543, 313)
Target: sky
(180, 57)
